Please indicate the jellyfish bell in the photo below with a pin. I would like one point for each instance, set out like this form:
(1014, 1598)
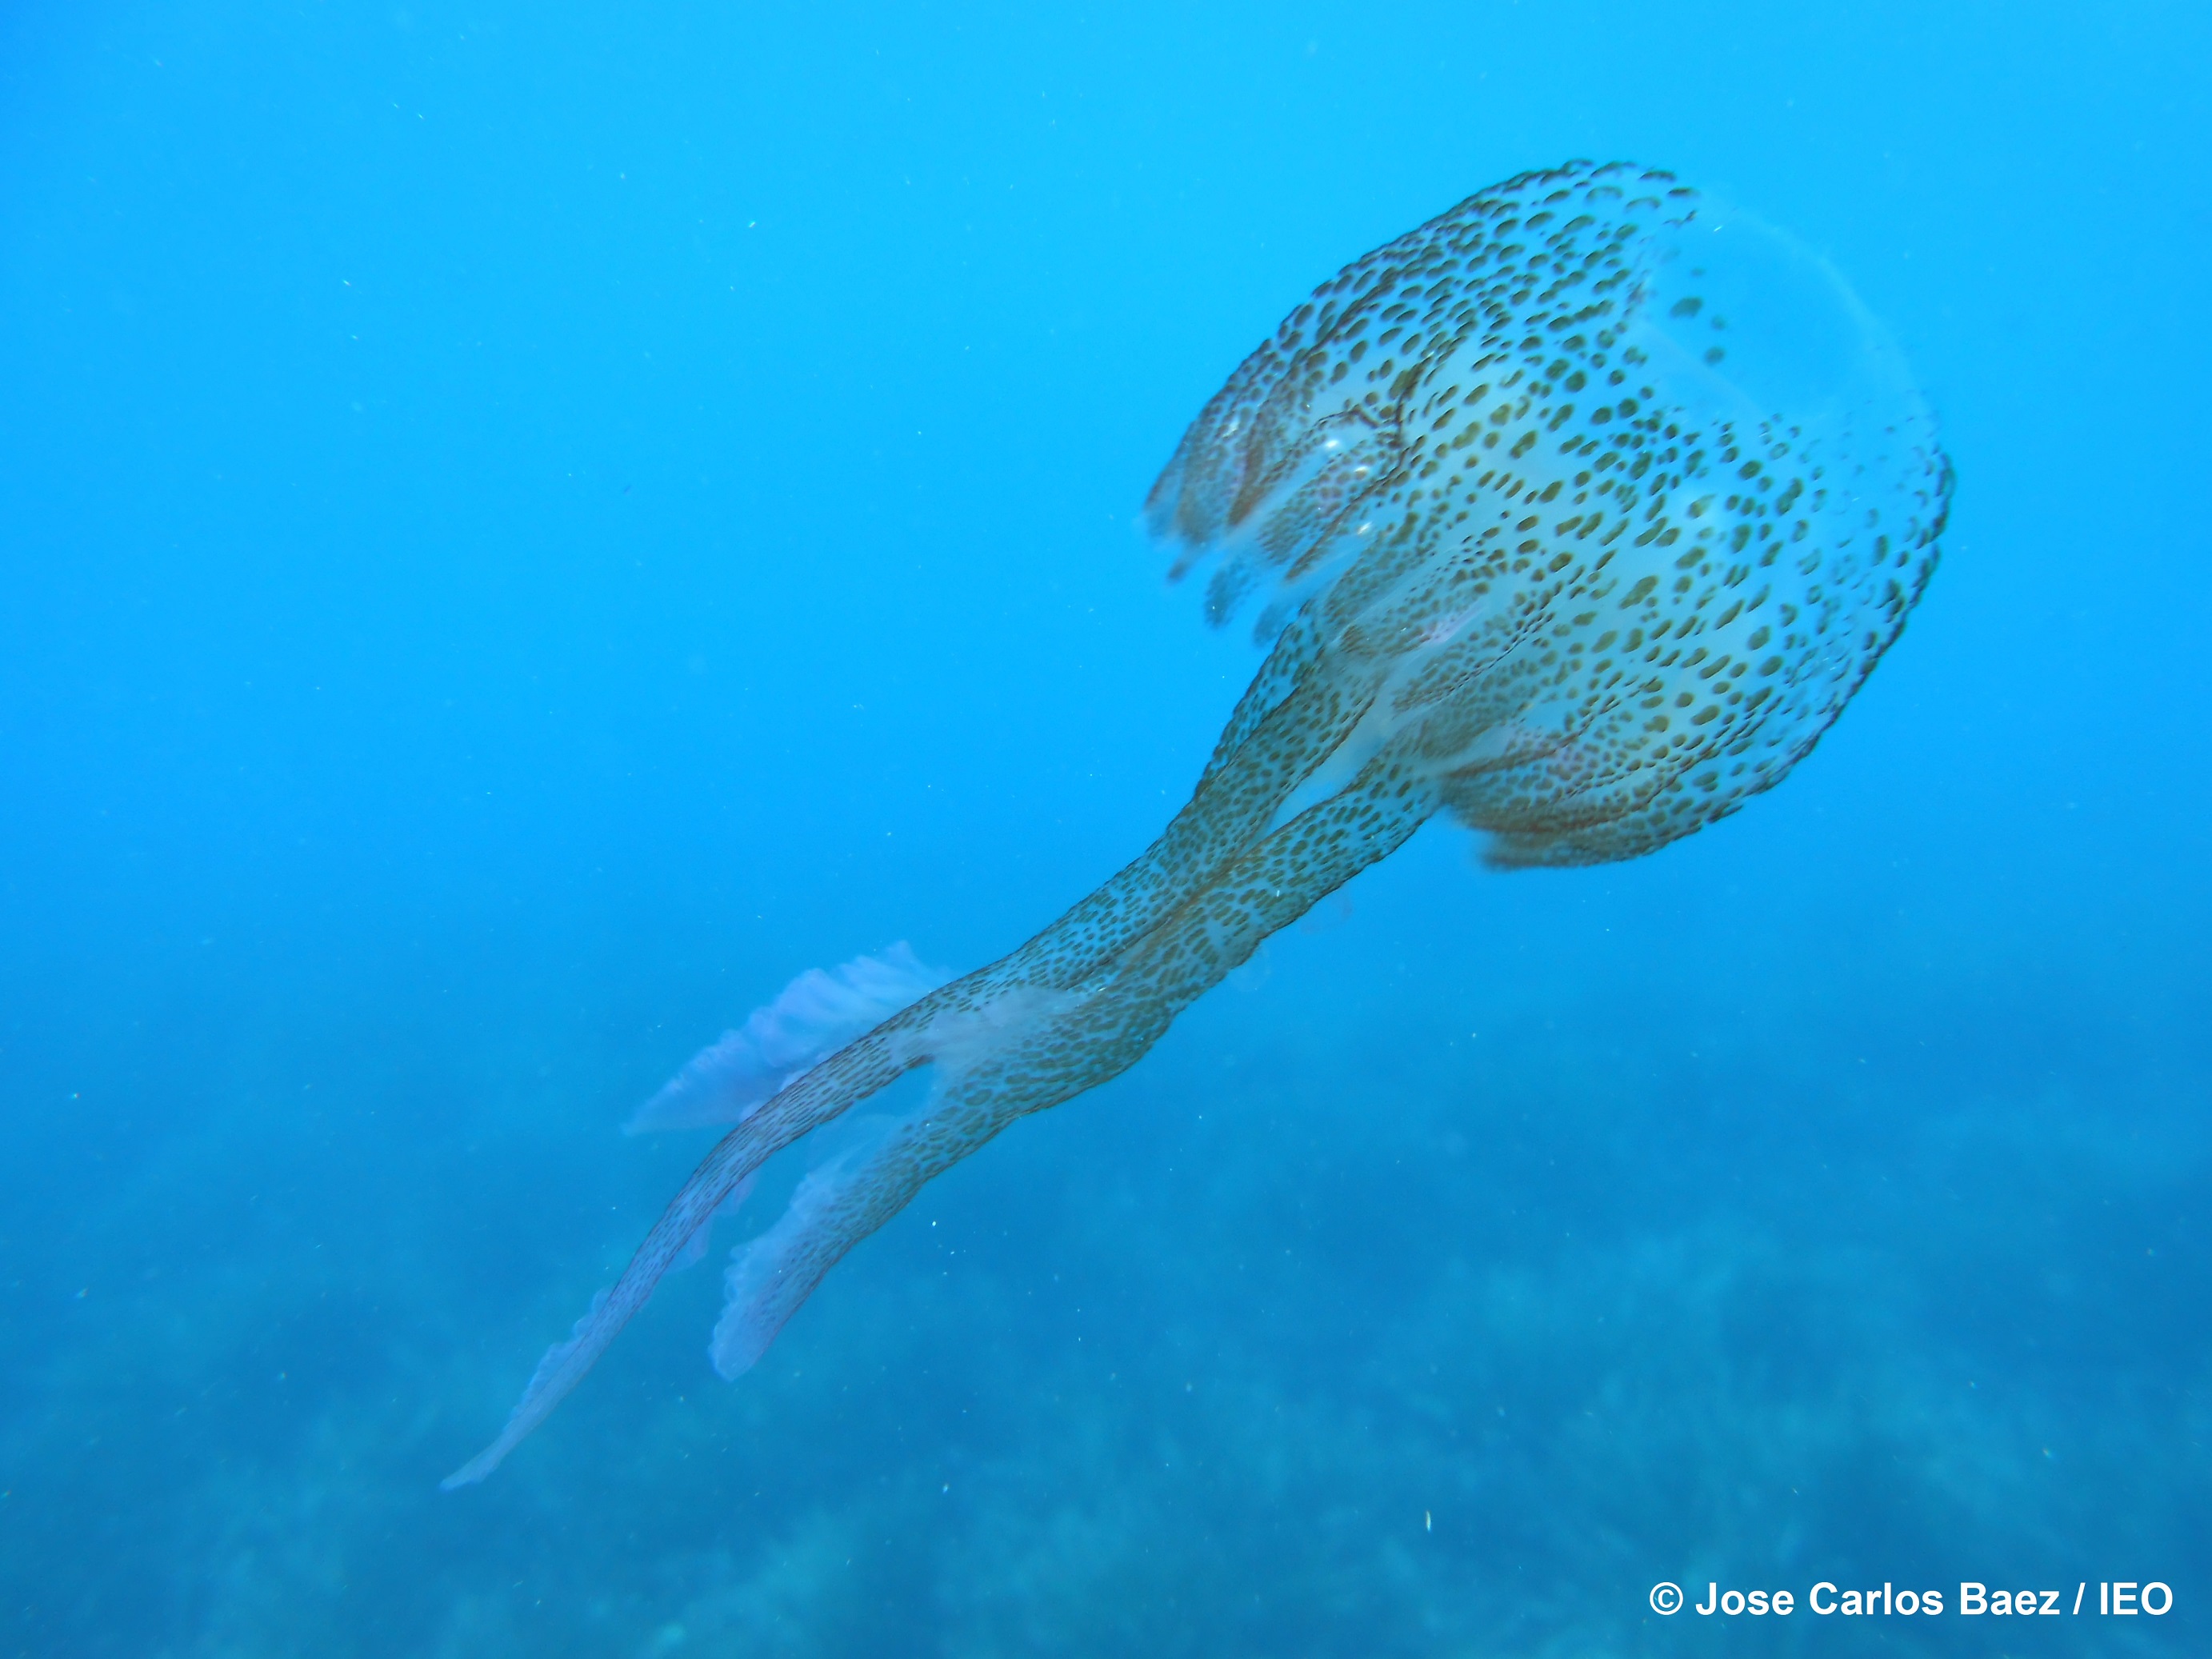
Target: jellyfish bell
(1642, 493)
(1578, 512)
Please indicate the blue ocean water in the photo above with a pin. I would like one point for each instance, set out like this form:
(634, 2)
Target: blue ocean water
(526, 527)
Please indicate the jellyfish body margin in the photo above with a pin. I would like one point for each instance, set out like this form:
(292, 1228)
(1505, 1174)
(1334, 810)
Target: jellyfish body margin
(1577, 513)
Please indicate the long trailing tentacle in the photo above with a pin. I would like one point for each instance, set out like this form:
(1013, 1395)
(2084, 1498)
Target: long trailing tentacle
(1036, 1049)
(1232, 804)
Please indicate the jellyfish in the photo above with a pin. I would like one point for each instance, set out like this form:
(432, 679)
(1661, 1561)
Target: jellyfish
(1575, 515)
